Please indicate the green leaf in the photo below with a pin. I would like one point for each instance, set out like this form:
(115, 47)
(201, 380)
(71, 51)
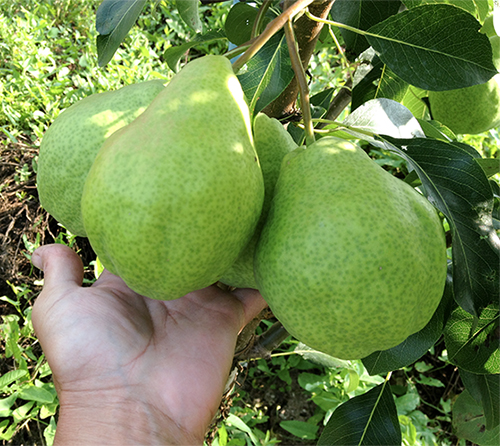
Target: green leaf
(468, 5)
(407, 403)
(480, 8)
(323, 98)
(491, 166)
(416, 345)
(326, 400)
(267, 74)
(38, 394)
(173, 54)
(434, 47)
(12, 376)
(113, 22)
(188, 10)
(383, 116)
(469, 422)
(374, 80)
(361, 14)
(367, 419)
(436, 130)
(414, 101)
(49, 432)
(238, 423)
(459, 188)
(239, 23)
(472, 342)
(319, 357)
(311, 381)
(49, 409)
(427, 381)
(21, 412)
(6, 431)
(486, 391)
(6, 404)
(300, 429)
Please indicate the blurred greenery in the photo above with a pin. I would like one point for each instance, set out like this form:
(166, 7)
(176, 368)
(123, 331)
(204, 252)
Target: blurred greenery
(50, 61)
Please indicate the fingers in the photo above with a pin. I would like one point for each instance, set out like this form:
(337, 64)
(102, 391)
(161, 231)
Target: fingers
(60, 265)
(253, 302)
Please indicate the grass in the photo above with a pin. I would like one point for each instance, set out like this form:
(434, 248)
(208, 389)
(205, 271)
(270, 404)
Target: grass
(48, 62)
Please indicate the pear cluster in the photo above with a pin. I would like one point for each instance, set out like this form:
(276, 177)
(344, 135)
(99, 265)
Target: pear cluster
(190, 191)
(169, 200)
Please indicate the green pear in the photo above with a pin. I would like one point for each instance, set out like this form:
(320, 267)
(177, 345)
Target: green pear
(71, 143)
(272, 143)
(470, 110)
(173, 198)
(351, 259)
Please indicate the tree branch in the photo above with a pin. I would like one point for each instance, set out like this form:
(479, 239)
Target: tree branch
(339, 102)
(307, 33)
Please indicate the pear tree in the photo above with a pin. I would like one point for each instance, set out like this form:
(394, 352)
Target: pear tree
(356, 261)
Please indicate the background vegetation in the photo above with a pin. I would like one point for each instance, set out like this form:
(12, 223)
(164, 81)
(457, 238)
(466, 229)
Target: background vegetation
(48, 61)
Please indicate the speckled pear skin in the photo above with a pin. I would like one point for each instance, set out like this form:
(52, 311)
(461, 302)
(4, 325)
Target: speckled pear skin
(173, 198)
(71, 143)
(272, 143)
(351, 260)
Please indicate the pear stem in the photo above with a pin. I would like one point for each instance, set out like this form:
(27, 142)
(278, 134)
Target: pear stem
(270, 30)
(300, 73)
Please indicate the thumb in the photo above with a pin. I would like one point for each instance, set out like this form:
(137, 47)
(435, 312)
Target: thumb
(60, 265)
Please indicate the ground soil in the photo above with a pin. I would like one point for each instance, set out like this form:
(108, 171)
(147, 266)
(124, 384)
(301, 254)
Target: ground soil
(23, 222)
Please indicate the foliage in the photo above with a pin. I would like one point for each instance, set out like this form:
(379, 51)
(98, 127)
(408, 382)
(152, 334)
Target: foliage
(48, 63)
(392, 56)
(26, 392)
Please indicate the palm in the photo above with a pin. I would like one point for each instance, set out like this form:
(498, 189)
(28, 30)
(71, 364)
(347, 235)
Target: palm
(175, 354)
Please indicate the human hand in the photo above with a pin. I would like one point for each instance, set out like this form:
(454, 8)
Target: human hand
(129, 369)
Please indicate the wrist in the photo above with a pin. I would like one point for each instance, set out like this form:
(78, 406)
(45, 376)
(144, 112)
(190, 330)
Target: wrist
(107, 420)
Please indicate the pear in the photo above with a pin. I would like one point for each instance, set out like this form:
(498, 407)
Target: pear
(71, 143)
(272, 143)
(470, 110)
(351, 259)
(173, 198)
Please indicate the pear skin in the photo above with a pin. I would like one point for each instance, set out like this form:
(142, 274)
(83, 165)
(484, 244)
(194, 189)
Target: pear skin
(272, 143)
(173, 198)
(351, 259)
(71, 143)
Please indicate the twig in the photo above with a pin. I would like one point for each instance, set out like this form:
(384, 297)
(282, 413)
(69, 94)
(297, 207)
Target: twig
(270, 31)
(339, 102)
(266, 342)
(247, 336)
(300, 74)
